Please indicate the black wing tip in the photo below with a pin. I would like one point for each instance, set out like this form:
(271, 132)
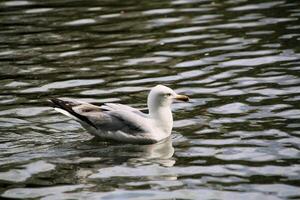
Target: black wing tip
(54, 102)
(67, 106)
(60, 103)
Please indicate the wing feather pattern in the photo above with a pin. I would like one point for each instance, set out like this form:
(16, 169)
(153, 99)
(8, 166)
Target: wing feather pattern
(109, 117)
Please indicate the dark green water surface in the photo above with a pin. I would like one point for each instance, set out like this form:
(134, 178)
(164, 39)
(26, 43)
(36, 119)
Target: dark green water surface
(238, 60)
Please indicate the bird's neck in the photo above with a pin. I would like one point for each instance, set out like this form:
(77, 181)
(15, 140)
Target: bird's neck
(163, 118)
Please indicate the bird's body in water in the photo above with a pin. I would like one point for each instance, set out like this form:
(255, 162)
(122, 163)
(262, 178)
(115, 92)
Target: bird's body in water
(123, 123)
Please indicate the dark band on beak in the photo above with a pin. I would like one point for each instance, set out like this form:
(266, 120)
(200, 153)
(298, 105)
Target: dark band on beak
(182, 98)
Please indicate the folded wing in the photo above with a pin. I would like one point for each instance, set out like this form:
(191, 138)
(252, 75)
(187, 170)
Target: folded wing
(110, 117)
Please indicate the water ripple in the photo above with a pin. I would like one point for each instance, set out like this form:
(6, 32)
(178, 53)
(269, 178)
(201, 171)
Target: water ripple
(238, 137)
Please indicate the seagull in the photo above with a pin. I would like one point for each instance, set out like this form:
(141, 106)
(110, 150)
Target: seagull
(122, 123)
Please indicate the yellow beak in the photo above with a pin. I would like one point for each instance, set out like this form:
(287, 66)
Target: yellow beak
(182, 98)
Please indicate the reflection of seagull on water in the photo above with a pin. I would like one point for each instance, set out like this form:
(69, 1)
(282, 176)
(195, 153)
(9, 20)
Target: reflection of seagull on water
(123, 123)
(160, 153)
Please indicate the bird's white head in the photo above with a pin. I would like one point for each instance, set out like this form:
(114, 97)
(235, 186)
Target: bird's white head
(159, 102)
(162, 96)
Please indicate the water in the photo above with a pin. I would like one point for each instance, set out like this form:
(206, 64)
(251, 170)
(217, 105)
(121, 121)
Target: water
(238, 60)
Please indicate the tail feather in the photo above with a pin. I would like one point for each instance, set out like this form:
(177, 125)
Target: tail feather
(65, 107)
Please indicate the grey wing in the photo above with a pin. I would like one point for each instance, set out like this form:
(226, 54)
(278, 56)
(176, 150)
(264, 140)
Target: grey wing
(125, 126)
(117, 118)
(132, 120)
(128, 122)
(118, 107)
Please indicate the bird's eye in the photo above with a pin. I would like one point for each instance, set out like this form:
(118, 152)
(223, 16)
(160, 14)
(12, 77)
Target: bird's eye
(168, 94)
